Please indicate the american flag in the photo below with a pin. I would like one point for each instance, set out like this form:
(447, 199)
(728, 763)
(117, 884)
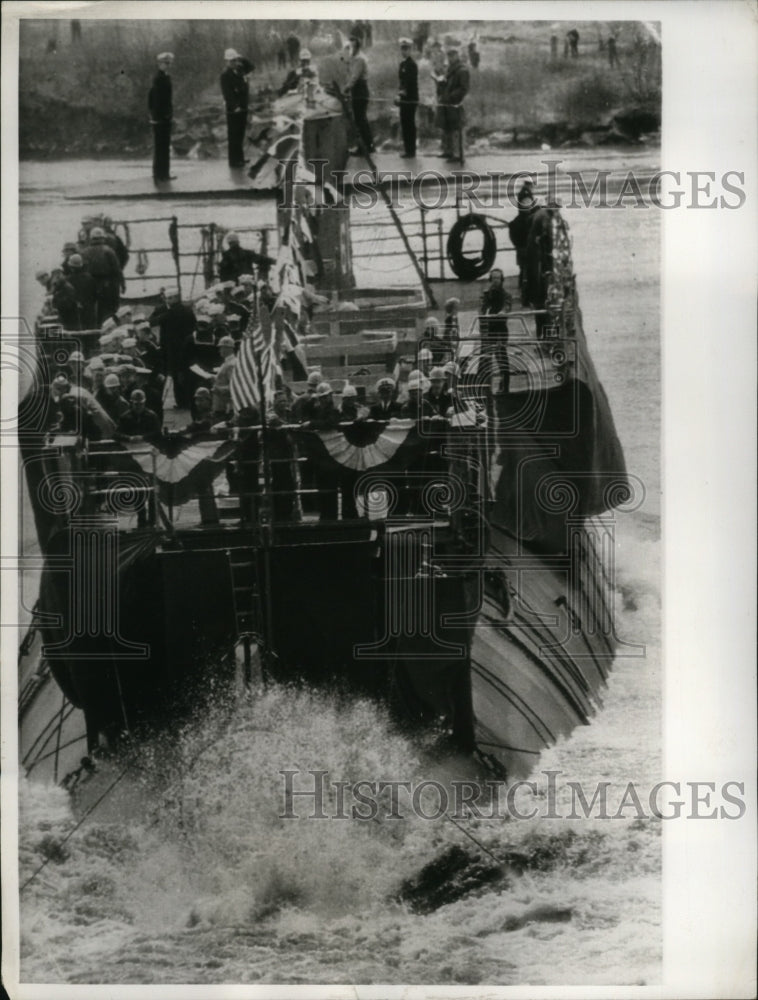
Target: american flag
(272, 336)
(256, 367)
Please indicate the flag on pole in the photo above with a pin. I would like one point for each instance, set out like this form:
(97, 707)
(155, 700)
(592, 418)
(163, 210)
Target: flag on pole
(253, 379)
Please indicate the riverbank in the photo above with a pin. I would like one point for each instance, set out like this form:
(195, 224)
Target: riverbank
(88, 98)
(52, 129)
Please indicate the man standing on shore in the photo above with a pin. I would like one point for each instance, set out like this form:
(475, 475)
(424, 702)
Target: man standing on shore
(235, 91)
(454, 90)
(408, 98)
(160, 104)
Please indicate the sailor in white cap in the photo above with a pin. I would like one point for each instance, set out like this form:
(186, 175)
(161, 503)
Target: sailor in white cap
(300, 78)
(408, 97)
(386, 406)
(160, 105)
(221, 392)
(235, 91)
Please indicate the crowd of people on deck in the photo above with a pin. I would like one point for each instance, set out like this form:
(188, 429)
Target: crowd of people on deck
(449, 65)
(138, 360)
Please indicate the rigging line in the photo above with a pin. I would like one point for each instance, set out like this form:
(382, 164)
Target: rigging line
(479, 844)
(58, 739)
(79, 822)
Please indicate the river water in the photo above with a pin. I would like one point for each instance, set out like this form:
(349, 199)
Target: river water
(206, 884)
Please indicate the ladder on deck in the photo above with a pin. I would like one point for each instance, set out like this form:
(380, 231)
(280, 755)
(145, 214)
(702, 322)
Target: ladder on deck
(247, 604)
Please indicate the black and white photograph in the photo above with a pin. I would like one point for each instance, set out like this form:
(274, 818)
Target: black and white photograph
(378, 489)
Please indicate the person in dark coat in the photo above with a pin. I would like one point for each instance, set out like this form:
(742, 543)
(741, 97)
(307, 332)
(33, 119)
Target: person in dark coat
(84, 287)
(138, 422)
(237, 260)
(235, 91)
(572, 44)
(200, 425)
(200, 351)
(292, 44)
(518, 230)
(408, 98)
(110, 398)
(64, 303)
(386, 406)
(176, 324)
(101, 262)
(496, 303)
(357, 88)
(160, 105)
(453, 92)
(149, 352)
(115, 242)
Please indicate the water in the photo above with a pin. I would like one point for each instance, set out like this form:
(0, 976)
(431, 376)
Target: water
(197, 880)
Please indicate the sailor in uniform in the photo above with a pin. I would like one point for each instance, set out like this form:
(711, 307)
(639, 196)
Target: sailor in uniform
(160, 105)
(408, 98)
(235, 91)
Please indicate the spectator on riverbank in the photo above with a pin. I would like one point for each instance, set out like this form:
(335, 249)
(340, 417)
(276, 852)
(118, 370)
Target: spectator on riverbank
(236, 94)
(408, 98)
(357, 88)
(454, 91)
(160, 105)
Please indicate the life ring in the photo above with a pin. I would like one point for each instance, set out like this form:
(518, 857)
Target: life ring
(463, 266)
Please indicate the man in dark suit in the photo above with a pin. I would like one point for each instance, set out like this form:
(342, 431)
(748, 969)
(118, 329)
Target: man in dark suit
(454, 90)
(408, 75)
(160, 103)
(235, 91)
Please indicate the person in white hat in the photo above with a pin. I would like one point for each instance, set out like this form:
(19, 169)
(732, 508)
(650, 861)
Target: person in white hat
(386, 406)
(221, 391)
(301, 78)
(408, 97)
(110, 399)
(236, 94)
(160, 105)
(437, 396)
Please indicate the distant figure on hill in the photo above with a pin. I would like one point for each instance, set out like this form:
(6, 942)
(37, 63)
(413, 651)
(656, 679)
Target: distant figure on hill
(553, 48)
(613, 59)
(277, 48)
(474, 55)
(421, 36)
(235, 90)
(572, 44)
(76, 32)
(293, 48)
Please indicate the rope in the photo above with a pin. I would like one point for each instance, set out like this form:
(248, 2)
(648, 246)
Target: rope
(76, 826)
(479, 844)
